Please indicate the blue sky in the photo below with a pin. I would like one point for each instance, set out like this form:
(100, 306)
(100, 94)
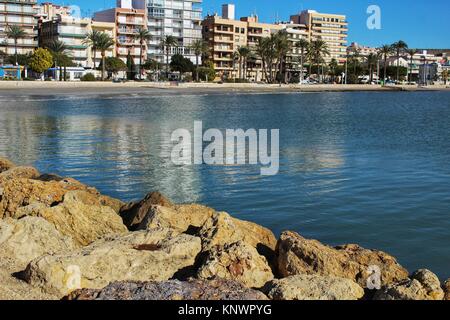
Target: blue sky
(422, 24)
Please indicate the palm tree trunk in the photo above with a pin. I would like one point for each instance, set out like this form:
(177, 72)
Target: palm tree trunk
(95, 57)
(196, 68)
(385, 69)
(103, 66)
(140, 62)
(301, 66)
(167, 63)
(15, 49)
(398, 65)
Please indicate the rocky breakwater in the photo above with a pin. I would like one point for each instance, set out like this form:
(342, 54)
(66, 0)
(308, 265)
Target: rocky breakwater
(62, 239)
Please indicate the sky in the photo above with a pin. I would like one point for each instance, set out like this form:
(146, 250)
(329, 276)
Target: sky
(421, 23)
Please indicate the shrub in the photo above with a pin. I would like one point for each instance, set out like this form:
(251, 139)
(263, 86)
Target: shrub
(88, 77)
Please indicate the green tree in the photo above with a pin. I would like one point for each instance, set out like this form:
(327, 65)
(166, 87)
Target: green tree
(15, 32)
(282, 47)
(143, 36)
(333, 65)
(372, 60)
(200, 48)
(385, 51)
(243, 53)
(181, 64)
(105, 43)
(91, 40)
(41, 60)
(319, 49)
(130, 67)
(411, 53)
(167, 44)
(57, 49)
(207, 72)
(113, 65)
(445, 76)
(303, 46)
(399, 47)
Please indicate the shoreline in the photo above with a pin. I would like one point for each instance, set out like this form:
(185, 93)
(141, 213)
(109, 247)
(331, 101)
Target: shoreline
(36, 88)
(62, 239)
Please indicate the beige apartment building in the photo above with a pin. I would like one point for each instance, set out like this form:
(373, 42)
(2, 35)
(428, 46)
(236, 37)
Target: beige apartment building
(331, 28)
(224, 35)
(20, 13)
(127, 22)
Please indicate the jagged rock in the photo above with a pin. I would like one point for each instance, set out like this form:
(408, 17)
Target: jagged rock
(313, 287)
(5, 164)
(447, 290)
(20, 192)
(134, 212)
(180, 217)
(80, 216)
(140, 256)
(29, 238)
(423, 285)
(223, 229)
(297, 255)
(237, 261)
(19, 173)
(170, 290)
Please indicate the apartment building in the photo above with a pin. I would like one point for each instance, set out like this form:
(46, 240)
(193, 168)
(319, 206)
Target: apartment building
(331, 28)
(49, 11)
(20, 13)
(178, 18)
(104, 27)
(362, 50)
(128, 20)
(225, 35)
(295, 32)
(70, 30)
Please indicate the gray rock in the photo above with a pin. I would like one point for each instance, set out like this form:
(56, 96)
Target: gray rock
(170, 290)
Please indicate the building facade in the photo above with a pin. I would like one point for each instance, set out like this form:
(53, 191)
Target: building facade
(178, 18)
(128, 21)
(226, 35)
(20, 13)
(331, 28)
(70, 30)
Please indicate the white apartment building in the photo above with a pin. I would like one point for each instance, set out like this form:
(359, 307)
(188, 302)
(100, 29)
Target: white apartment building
(178, 18)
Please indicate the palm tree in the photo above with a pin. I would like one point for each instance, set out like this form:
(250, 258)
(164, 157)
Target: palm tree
(243, 52)
(91, 40)
(143, 35)
(104, 43)
(303, 46)
(199, 47)
(372, 60)
(385, 51)
(167, 44)
(264, 50)
(411, 53)
(319, 49)
(15, 32)
(58, 50)
(399, 46)
(333, 66)
(235, 57)
(282, 48)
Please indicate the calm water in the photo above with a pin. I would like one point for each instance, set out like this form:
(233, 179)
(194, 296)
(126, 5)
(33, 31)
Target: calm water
(367, 168)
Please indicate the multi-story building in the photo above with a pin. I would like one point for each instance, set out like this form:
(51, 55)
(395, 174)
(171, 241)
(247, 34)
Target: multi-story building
(225, 35)
(103, 27)
(363, 51)
(49, 11)
(331, 28)
(295, 32)
(20, 13)
(128, 21)
(178, 18)
(70, 30)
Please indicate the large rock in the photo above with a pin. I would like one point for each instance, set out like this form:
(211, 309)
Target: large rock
(181, 218)
(29, 238)
(77, 217)
(134, 212)
(170, 290)
(223, 229)
(313, 287)
(5, 164)
(297, 255)
(447, 290)
(237, 261)
(140, 256)
(423, 285)
(19, 173)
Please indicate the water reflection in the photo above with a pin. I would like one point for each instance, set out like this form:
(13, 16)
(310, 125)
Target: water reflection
(355, 167)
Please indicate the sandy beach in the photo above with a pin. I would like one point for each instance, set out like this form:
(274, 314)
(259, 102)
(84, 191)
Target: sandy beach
(19, 88)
